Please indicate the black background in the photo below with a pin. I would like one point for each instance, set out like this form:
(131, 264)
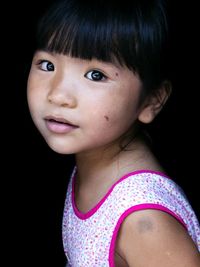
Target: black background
(36, 177)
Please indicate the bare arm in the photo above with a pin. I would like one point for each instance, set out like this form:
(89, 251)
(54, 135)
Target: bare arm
(152, 238)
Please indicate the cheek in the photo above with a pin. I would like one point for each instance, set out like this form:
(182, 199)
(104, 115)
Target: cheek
(31, 92)
(35, 86)
(112, 111)
(35, 90)
(102, 115)
(31, 98)
(118, 119)
(110, 123)
(106, 118)
(34, 100)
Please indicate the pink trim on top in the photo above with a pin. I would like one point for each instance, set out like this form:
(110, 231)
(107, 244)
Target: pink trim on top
(84, 216)
(129, 211)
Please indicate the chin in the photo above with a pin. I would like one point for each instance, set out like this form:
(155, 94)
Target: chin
(60, 148)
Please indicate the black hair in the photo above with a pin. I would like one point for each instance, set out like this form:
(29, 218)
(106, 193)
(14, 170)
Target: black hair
(132, 32)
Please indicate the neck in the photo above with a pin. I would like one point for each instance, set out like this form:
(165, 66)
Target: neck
(103, 164)
(98, 170)
(91, 163)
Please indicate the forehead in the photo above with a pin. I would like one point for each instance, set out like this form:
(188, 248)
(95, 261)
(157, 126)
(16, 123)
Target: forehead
(68, 59)
(79, 32)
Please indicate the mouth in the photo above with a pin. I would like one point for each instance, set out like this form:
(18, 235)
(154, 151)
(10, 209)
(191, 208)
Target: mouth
(59, 125)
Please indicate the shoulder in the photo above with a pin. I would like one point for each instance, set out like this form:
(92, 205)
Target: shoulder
(149, 185)
(155, 238)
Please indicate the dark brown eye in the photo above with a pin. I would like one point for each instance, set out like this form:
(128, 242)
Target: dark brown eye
(95, 75)
(46, 65)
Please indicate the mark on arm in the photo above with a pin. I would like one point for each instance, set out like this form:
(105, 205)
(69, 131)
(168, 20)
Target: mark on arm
(145, 225)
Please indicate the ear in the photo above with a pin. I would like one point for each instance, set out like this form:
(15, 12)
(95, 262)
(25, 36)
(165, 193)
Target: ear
(154, 103)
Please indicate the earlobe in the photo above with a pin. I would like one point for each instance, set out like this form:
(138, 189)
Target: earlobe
(154, 103)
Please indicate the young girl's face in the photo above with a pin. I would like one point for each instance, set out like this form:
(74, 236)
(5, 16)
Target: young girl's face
(81, 105)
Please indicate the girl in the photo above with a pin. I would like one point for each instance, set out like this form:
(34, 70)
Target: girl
(98, 75)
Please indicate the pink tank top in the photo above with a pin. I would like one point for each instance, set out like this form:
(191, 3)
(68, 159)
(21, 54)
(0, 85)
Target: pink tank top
(89, 238)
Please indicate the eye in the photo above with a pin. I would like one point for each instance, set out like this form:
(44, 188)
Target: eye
(46, 65)
(95, 75)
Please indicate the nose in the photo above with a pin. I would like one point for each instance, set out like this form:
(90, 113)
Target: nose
(62, 94)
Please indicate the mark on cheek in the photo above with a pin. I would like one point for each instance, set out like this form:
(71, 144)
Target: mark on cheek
(106, 117)
(116, 74)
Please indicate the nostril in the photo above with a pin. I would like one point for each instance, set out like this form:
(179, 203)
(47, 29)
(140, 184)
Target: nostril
(58, 99)
(62, 100)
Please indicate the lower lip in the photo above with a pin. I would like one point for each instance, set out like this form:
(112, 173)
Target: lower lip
(59, 128)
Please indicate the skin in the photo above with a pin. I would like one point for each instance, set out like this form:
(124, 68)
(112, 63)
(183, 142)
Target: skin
(164, 242)
(102, 101)
(98, 108)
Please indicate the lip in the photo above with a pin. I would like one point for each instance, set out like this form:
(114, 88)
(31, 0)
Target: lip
(59, 124)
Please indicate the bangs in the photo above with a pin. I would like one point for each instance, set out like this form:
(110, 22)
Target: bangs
(132, 34)
(88, 32)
